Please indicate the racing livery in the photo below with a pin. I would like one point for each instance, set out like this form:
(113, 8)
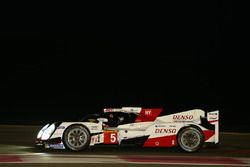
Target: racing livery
(188, 130)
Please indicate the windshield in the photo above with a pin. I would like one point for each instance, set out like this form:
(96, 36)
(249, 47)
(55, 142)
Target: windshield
(114, 119)
(119, 118)
(90, 118)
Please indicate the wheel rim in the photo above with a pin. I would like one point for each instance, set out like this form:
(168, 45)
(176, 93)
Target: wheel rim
(77, 138)
(190, 140)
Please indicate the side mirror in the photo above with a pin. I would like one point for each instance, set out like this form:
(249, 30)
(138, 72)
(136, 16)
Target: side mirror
(102, 119)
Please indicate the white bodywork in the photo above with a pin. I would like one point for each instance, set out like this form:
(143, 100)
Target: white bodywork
(148, 128)
(168, 125)
(162, 128)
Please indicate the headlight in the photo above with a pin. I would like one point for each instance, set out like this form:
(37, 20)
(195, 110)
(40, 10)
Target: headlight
(39, 135)
(47, 132)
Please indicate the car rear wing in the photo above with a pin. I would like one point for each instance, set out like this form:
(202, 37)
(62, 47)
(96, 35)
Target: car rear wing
(213, 118)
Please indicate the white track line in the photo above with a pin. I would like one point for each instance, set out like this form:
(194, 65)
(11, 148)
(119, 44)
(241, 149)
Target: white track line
(139, 159)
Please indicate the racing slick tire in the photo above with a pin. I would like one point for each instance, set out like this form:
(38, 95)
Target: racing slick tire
(190, 139)
(76, 138)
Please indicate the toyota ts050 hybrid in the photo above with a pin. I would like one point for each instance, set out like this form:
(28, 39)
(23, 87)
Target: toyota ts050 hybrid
(188, 130)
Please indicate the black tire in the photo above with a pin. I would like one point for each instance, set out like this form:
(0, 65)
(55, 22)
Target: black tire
(76, 138)
(190, 139)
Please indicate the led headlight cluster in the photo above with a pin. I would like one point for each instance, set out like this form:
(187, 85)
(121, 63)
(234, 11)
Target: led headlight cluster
(46, 132)
(39, 135)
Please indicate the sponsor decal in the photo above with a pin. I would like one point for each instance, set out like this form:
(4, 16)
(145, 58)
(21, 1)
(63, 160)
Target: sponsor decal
(94, 127)
(215, 113)
(56, 146)
(96, 139)
(60, 127)
(213, 118)
(183, 117)
(159, 126)
(108, 109)
(147, 112)
(165, 130)
(112, 110)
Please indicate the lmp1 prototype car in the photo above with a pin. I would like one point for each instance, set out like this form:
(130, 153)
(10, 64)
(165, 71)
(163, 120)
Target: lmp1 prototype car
(188, 130)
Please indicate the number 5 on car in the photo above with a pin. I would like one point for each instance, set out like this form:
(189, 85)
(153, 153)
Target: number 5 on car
(110, 137)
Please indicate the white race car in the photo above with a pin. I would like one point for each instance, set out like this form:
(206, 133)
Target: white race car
(188, 130)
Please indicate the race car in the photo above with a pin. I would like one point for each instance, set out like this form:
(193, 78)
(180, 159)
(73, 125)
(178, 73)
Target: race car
(146, 127)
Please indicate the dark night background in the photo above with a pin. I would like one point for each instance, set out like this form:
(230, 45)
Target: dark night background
(55, 67)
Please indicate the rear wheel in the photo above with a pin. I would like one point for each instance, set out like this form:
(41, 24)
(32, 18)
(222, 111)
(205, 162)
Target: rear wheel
(190, 139)
(76, 138)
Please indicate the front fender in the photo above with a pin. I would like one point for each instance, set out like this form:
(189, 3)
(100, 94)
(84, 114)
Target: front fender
(92, 127)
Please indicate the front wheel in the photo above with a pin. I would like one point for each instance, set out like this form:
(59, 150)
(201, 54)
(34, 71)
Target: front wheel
(76, 138)
(190, 139)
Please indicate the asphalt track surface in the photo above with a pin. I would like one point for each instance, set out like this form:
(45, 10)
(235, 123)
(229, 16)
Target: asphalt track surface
(17, 149)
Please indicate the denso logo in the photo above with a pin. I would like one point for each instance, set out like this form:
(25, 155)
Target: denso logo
(183, 117)
(165, 130)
